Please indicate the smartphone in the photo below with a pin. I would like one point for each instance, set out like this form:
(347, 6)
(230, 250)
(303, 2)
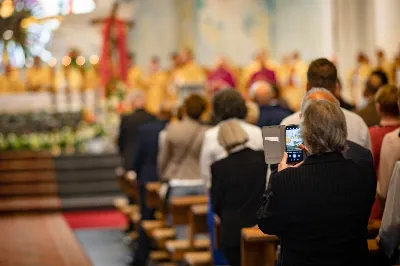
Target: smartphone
(293, 139)
(274, 143)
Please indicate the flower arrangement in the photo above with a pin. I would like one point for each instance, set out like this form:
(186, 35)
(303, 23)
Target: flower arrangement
(66, 139)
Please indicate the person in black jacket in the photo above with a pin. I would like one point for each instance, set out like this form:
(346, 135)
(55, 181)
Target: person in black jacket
(320, 208)
(145, 165)
(238, 183)
(128, 128)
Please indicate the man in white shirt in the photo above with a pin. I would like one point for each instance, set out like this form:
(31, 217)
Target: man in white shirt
(323, 74)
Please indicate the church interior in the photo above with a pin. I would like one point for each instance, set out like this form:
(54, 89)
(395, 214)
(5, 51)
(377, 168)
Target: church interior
(73, 71)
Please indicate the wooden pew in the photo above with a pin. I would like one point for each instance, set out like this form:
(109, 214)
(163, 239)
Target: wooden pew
(198, 258)
(255, 243)
(153, 195)
(197, 221)
(180, 208)
(198, 225)
(127, 183)
(258, 248)
(154, 200)
(182, 211)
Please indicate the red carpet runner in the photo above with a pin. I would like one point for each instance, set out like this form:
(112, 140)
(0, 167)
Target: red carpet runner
(95, 219)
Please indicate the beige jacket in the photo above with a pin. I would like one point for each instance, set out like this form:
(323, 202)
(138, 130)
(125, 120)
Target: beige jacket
(179, 155)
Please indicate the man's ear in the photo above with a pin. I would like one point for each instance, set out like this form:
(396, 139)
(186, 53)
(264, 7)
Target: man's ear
(308, 86)
(378, 107)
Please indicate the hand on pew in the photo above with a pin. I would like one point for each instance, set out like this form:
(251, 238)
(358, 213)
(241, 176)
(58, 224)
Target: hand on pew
(374, 226)
(130, 175)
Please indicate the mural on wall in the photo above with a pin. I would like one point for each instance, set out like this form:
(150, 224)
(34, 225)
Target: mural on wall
(225, 27)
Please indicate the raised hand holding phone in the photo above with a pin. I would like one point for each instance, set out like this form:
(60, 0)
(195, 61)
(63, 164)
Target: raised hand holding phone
(293, 140)
(284, 163)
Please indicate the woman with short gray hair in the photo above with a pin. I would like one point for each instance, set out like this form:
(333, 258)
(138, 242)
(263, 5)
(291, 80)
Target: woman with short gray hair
(320, 208)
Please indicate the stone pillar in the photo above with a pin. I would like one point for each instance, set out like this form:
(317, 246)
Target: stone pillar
(387, 26)
(186, 20)
(353, 32)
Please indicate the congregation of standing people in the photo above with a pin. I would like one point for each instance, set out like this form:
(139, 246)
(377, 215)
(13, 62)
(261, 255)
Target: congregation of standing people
(319, 208)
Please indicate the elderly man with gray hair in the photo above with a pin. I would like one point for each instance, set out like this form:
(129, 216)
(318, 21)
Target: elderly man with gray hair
(320, 208)
(271, 112)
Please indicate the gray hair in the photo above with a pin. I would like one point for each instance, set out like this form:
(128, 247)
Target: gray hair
(306, 97)
(138, 98)
(260, 84)
(323, 127)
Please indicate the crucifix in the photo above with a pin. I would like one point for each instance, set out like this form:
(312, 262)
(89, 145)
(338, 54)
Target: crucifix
(114, 55)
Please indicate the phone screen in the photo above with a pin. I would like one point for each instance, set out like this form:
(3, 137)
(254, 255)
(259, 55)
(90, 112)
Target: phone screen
(293, 139)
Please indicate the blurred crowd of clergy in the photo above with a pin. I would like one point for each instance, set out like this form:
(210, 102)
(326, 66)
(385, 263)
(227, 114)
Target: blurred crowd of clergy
(288, 77)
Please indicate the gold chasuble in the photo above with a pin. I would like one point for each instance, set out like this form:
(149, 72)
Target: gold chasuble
(156, 90)
(70, 79)
(38, 78)
(10, 82)
(292, 78)
(356, 80)
(385, 66)
(190, 73)
(135, 79)
(91, 78)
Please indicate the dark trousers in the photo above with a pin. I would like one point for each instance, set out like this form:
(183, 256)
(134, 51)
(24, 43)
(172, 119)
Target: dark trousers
(131, 225)
(143, 249)
(232, 254)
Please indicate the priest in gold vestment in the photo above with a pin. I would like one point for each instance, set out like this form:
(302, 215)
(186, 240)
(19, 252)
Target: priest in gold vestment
(156, 84)
(384, 65)
(357, 78)
(189, 72)
(292, 76)
(91, 78)
(10, 81)
(135, 75)
(38, 77)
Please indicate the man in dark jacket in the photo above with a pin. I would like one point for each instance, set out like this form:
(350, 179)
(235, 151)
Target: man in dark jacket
(320, 209)
(144, 163)
(128, 129)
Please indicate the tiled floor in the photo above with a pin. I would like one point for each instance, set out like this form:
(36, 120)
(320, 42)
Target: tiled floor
(104, 247)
